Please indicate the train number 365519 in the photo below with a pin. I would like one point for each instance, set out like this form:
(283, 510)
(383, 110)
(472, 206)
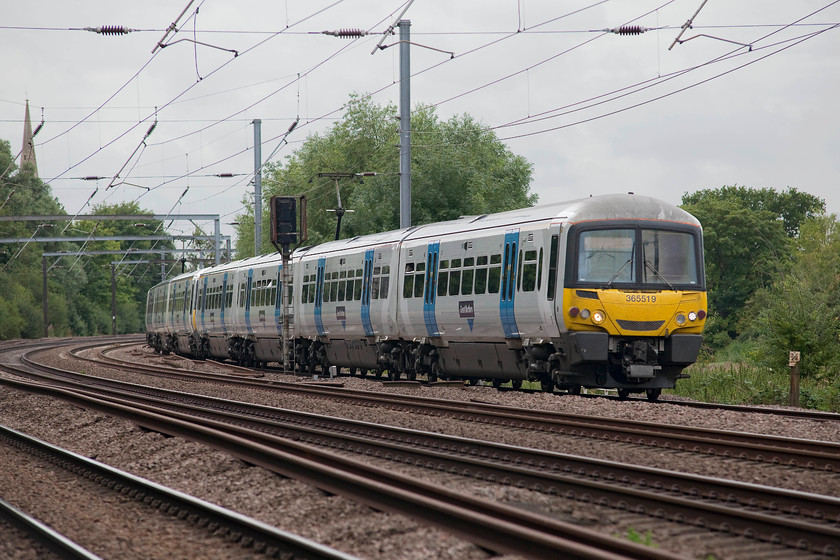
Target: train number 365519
(640, 298)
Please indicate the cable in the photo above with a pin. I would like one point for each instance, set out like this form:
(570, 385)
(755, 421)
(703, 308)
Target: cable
(680, 90)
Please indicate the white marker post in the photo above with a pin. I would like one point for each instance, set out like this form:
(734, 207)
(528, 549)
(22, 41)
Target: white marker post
(793, 362)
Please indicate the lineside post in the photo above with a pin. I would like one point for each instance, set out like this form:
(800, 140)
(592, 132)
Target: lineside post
(793, 362)
(113, 299)
(46, 295)
(285, 233)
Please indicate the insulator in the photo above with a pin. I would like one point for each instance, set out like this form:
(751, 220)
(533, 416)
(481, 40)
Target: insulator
(110, 30)
(628, 30)
(346, 33)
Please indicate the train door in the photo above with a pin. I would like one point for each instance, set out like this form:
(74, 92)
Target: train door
(248, 285)
(203, 302)
(366, 281)
(508, 288)
(222, 311)
(319, 296)
(431, 289)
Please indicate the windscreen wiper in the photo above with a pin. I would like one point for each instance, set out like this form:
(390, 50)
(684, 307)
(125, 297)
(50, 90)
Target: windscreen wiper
(656, 272)
(620, 270)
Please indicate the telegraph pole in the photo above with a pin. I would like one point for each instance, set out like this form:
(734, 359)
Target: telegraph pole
(405, 124)
(257, 186)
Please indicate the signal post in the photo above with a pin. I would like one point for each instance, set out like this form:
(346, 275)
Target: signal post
(284, 234)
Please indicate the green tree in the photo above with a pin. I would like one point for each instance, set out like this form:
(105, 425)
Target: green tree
(92, 309)
(801, 309)
(22, 193)
(458, 168)
(748, 243)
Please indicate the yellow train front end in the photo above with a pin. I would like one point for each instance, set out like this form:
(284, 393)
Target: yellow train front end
(634, 305)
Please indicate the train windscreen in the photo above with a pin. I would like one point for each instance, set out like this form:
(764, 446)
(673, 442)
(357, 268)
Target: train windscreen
(637, 256)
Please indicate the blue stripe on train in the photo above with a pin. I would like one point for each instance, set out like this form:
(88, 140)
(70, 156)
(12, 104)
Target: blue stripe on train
(431, 292)
(319, 296)
(366, 282)
(508, 291)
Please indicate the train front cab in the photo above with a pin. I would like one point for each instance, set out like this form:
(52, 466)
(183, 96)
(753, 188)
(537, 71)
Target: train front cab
(633, 305)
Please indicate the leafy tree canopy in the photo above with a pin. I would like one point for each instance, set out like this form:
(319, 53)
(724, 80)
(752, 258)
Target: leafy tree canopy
(79, 287)
(747, 237)
(790, 206)
(458, 168)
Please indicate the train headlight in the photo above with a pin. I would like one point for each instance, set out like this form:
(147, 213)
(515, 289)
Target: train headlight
(680, 319)
(598, 317)
(574, 311)
(692, 316)
(701, 314)
(585, 314)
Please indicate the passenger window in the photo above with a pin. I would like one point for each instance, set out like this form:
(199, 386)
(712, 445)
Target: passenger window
(481, 280)
(467, 281)
(383, 287)
(375, 288)
(419, 280)
(408, 285)
(333, 291)
(529, 271)
(494, 279)
(341, 287)
(357, 290)
(454, 282)
(443, 280)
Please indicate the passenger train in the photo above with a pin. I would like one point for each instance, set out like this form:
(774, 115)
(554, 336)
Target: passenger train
(600, 292)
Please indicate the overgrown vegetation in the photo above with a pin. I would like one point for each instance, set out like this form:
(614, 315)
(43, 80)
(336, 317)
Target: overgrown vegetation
(773, 273)
(78, 287)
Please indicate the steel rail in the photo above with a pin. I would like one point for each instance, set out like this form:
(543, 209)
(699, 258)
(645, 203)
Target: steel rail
(489, 524)
(813, 454)
(693, 499)
(44, 535)
(248, 532)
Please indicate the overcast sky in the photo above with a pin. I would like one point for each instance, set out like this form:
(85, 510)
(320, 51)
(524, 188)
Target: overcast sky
(594, 112)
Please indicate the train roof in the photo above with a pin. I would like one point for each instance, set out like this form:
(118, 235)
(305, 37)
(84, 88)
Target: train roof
(604, 207)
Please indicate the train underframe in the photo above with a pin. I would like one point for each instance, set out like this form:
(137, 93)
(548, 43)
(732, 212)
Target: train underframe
(629, 364)
(577, 360)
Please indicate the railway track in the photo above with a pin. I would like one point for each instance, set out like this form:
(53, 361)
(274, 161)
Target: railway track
(214, 520)
(705, 502)
(48, 539)
(812, 454)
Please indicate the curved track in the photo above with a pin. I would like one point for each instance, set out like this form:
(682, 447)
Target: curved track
(618, 485)
(742, 445)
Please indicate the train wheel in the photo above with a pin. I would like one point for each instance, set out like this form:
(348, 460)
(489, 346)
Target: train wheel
(547, 386)
(574, 389)
(393, 375)
(623, 393)
(497, 382)
(434, 374)
(411, 375)
(653, 394)
(353, 371)
(516, 384)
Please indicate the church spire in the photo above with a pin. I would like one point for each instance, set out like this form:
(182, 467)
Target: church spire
(27, 155)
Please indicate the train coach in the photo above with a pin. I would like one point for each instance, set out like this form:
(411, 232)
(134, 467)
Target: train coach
(605, 292)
